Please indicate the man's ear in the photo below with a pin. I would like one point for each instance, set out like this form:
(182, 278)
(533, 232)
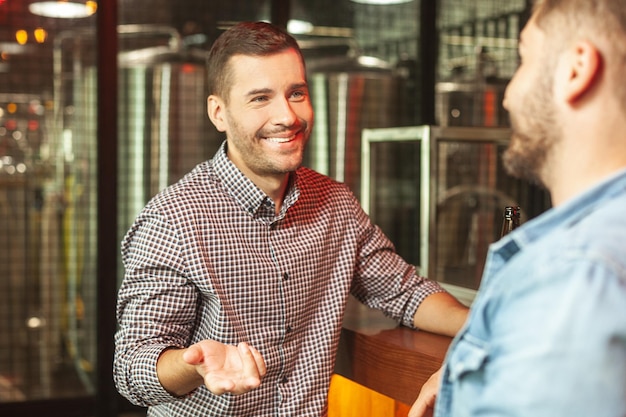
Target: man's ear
(215, 110)
(584, 67)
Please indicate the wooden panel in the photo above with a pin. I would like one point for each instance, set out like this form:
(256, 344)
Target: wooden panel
(391, 360)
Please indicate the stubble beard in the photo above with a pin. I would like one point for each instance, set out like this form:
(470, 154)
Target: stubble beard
(295, 157)
(535, 134)
(256, 158)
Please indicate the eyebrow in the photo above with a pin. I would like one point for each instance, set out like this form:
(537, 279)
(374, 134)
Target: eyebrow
(299, 85)
(259, 91)
(269, 90)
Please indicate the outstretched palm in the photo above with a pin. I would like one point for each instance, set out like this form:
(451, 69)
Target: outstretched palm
(226, 368)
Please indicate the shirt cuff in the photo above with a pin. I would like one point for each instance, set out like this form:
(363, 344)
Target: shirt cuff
(144, 382)
(427, 287)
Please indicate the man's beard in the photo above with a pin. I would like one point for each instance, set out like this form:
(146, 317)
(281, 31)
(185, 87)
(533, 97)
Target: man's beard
(525, 157)
(534, 136)
(255, 157)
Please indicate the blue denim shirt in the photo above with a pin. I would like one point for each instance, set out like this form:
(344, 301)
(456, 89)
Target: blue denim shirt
(546, 336)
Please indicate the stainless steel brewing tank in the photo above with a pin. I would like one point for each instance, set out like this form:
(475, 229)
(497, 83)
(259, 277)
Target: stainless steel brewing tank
(164, 130)
(350, 94)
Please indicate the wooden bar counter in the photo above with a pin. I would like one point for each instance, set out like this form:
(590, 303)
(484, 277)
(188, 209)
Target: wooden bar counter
(392, 360)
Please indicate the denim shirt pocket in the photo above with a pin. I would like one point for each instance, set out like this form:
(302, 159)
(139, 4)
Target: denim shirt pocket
(468, 356)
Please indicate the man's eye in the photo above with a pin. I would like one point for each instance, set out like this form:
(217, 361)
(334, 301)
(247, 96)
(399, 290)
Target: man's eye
(259, 99)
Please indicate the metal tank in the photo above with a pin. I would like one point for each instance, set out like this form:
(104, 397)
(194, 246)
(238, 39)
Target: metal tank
(48, 297)
(163, 127)
(349, 93)
(164, 130)
(472, 95)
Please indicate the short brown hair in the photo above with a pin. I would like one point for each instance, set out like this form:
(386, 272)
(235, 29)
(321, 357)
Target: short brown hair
(596, 20)
(604, 16)
(245, 38)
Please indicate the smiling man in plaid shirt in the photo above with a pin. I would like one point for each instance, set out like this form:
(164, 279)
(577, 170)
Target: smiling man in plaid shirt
(237, 276)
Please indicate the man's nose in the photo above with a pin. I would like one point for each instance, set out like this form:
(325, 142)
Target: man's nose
(284, 113)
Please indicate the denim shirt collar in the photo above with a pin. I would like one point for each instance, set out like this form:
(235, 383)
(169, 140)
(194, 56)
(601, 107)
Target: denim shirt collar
(562, 216)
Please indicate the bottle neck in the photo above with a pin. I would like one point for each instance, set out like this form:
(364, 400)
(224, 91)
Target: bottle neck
(511, 220)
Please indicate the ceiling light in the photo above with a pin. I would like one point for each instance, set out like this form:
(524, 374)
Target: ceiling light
(63, 9)
(21, 36)
(40, 35)
(299, 27)
(382, 2)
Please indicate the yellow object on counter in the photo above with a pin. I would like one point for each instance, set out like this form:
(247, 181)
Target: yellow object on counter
(349, 399)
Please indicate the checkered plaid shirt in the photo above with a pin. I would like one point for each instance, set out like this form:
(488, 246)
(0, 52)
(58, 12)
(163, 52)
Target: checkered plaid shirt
(208, 259)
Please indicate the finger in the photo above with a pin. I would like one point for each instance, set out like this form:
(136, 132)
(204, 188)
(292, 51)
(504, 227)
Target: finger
(250, 371)
(423, 406)
(260, 362)
(193, 355)
(418, 410)
(219, 385)
(208, 353)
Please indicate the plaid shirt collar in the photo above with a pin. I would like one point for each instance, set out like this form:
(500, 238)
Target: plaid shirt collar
(250, 197)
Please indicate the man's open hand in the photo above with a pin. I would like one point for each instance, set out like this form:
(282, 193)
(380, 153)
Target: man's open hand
(226, 368)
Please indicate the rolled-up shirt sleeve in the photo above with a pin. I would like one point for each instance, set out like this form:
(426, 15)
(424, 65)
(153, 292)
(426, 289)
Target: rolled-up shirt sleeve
(384, 280)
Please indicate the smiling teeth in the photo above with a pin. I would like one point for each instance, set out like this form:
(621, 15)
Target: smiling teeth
(279, 140)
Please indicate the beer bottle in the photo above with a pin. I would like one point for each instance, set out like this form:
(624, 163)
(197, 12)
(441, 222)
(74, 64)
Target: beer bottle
(510, 219)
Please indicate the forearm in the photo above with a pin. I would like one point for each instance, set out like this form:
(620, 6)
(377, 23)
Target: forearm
(175, 375)
(440, 313)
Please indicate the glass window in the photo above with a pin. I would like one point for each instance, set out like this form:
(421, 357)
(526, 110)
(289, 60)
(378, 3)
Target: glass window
(47, 201)
(477, 58)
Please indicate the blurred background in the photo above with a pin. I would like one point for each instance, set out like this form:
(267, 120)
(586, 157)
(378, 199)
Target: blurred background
(102, 104)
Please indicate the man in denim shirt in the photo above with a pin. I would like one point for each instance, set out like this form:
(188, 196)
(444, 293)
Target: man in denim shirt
(546, 336)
